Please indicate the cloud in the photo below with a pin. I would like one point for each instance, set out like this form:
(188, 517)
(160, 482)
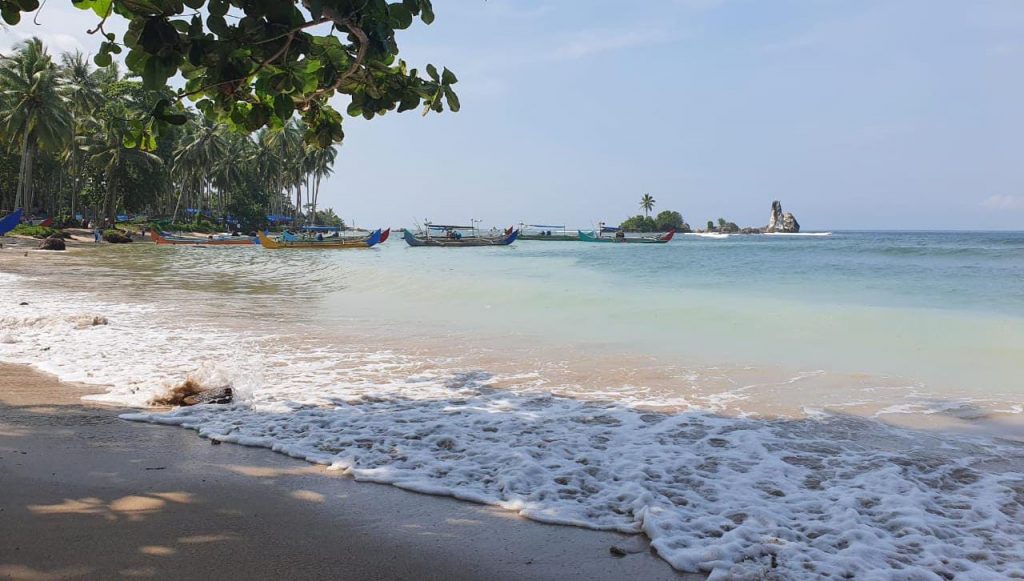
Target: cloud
(591, 42)
(1004, 202)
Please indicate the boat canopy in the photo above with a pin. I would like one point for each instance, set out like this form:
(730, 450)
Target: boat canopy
(448, 227)
(322, 228)
(544, 226)
(278, 218)
(610, 229)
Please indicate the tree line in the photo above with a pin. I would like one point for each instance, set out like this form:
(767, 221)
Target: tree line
(71, 138)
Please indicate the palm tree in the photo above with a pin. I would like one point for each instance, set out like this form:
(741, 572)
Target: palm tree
(103, 144)
(320, 166)
(82, 88)
(33, 109)
(647, 204)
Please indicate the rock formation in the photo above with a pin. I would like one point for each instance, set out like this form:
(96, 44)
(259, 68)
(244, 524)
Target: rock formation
(52, 243)
(781, 222)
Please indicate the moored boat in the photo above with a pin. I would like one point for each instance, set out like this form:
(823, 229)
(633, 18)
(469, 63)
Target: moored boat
(453, 237)
(8, 222)
(622, 238)
(328, 243)
(547, 233)
(220, 240)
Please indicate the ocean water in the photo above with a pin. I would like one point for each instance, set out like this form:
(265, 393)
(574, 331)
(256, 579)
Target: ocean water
(846, 405)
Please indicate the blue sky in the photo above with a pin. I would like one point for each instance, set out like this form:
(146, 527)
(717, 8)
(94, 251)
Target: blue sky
(856, 114)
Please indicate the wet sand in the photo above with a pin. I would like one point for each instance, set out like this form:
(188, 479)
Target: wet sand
(87, 495)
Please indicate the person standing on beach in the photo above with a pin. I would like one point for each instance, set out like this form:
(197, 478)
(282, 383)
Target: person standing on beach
(96, 235)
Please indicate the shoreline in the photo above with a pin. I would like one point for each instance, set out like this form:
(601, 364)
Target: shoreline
(124, 498)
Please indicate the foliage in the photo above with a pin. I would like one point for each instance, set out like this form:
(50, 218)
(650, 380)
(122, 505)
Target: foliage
(668, 219)
(727, 227)
(116, 236)
(196, 167)
(638, 223)
(664, 221)
(36, 231)
(250, 64)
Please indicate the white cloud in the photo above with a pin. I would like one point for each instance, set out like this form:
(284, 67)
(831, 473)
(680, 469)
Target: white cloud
(590, 42)
(1004, 202)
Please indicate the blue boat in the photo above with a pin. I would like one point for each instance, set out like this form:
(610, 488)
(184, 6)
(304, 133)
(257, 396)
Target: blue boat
(8, 222)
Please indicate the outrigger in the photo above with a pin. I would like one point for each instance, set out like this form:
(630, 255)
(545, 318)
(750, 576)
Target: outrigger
(450, 235)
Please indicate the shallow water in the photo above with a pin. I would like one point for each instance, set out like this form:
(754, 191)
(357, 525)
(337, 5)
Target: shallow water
(727, 397)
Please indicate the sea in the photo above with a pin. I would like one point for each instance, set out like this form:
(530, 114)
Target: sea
(842, 406)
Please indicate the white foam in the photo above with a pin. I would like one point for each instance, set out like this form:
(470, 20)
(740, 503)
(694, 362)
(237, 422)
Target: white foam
(828, 496)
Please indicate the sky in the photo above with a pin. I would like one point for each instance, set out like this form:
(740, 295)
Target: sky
(856, 114)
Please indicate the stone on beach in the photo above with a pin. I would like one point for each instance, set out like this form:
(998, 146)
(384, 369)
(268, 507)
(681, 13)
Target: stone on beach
(192, 393)
(52, 243)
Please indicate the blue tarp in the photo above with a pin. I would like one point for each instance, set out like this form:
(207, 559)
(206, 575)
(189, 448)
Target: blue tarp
(544, 226)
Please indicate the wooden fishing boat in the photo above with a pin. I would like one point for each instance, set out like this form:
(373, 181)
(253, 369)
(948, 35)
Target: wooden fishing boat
(327, 243)
(8, 222)
(546, 233)
(384, 236)
(165, 238)
(425, 239)
(658, 239)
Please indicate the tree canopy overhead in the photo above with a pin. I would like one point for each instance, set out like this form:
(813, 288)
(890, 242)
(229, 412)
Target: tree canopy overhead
(255, 63)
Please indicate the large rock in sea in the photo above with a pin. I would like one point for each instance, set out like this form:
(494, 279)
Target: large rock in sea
(52, 243)
(781, 222)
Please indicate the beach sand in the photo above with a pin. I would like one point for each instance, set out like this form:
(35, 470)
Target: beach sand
(88, 495)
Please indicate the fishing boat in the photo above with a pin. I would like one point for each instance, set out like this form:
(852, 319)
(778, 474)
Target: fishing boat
(547, 233)
(8, 222)
(218, 240)
(454, 236)
(620, 236)
(330, 242)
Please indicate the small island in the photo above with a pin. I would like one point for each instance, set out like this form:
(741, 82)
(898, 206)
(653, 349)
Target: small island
(778, 222)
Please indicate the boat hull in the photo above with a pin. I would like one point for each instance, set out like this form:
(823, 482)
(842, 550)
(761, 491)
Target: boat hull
(590, 237)
(161, 238)
(413, 240)
(8, 222)
(326, 244)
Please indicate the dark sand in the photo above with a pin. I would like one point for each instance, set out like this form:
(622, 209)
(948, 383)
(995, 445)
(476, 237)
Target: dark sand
(84, 494)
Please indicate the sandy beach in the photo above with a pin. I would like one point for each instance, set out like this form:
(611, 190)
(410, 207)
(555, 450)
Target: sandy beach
(88, 495)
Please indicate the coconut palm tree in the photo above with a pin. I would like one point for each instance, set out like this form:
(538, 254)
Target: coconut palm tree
(103, 144)
(82, 89)
(647, 204)
(33, 110)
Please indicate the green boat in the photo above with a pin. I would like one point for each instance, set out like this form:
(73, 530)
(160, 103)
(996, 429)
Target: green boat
(622, 238)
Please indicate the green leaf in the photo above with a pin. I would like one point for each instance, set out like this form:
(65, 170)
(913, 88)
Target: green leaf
(453, 99)
(102, 59)
(401, 17)
(284, 107)
(408, 102)
(218, 7)
(10, 16)
(432, 71)
(428, 13)
(101, 7)
(448, 77)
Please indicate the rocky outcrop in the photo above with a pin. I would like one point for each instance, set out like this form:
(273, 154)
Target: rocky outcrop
(52, 243)
(781, 222)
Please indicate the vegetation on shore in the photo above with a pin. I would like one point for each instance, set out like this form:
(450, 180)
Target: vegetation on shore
(70, 130)
(664, 221)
